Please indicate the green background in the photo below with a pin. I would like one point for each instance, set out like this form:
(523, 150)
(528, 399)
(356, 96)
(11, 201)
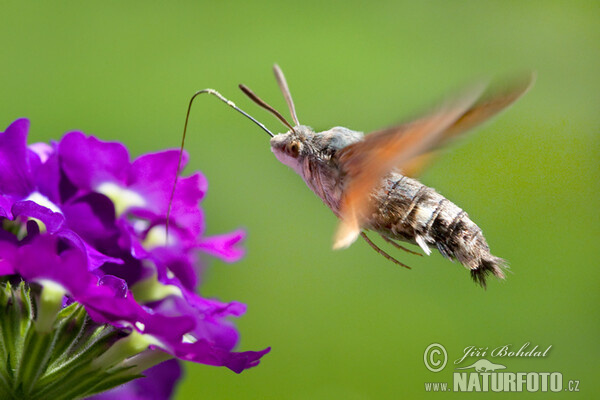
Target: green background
(348, 324)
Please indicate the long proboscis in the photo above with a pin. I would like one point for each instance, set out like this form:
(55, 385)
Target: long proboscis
(187, 117)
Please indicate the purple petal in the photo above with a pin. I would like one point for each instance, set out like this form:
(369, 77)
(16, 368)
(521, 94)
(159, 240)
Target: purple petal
(5, 206)
(15, 175)
(185, 215)
(88, 162)
(107, 307)
(7, 258)
(39, 260)
(94, 257)
(118, 285)
(153, 176)
(47, 178)
(92, 216)
(185, 210)
(43, 150)
(97, 259)
(213, 326)
(169, 330)
(54, 221)
(172, 261)
(210, 316)
(224, 246)
(129, 268)
(214, 307)
(205, 353)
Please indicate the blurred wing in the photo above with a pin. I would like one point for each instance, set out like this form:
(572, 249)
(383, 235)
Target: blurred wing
(366, 162)
(484, 109)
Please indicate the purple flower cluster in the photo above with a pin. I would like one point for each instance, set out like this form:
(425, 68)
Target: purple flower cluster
(79, 215)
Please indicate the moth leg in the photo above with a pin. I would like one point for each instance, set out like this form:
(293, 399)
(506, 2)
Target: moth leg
(396, 245)
(383, 253)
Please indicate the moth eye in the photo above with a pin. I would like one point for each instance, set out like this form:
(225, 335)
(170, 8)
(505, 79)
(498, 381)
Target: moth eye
(293, 149)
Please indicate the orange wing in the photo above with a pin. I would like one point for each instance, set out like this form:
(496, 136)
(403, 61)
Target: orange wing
(366, 162)
(411, 147)
(484, 109)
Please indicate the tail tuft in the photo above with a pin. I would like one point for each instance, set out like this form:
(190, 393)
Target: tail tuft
(488, 266)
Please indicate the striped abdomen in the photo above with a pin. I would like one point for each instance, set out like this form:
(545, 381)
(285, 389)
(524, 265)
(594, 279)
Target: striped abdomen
(409, 211)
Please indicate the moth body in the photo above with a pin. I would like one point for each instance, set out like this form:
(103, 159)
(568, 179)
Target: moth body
(401, 208)
(409, 211)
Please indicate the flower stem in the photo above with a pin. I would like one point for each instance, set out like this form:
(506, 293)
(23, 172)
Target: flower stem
(35, 356)
(148, 359)
(124, 348)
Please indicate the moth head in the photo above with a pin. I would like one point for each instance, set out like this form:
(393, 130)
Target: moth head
(290, 148)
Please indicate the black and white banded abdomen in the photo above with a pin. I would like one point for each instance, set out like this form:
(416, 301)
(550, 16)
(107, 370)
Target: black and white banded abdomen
(409, 211)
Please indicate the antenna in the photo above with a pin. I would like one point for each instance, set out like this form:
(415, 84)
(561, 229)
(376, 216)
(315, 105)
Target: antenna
(283, 86)
(187, 117)
(264, 105)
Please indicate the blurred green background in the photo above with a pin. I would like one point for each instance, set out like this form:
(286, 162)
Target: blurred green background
(348, 324)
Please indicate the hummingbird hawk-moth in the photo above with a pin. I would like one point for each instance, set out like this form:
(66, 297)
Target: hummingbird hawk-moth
(368, 181)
